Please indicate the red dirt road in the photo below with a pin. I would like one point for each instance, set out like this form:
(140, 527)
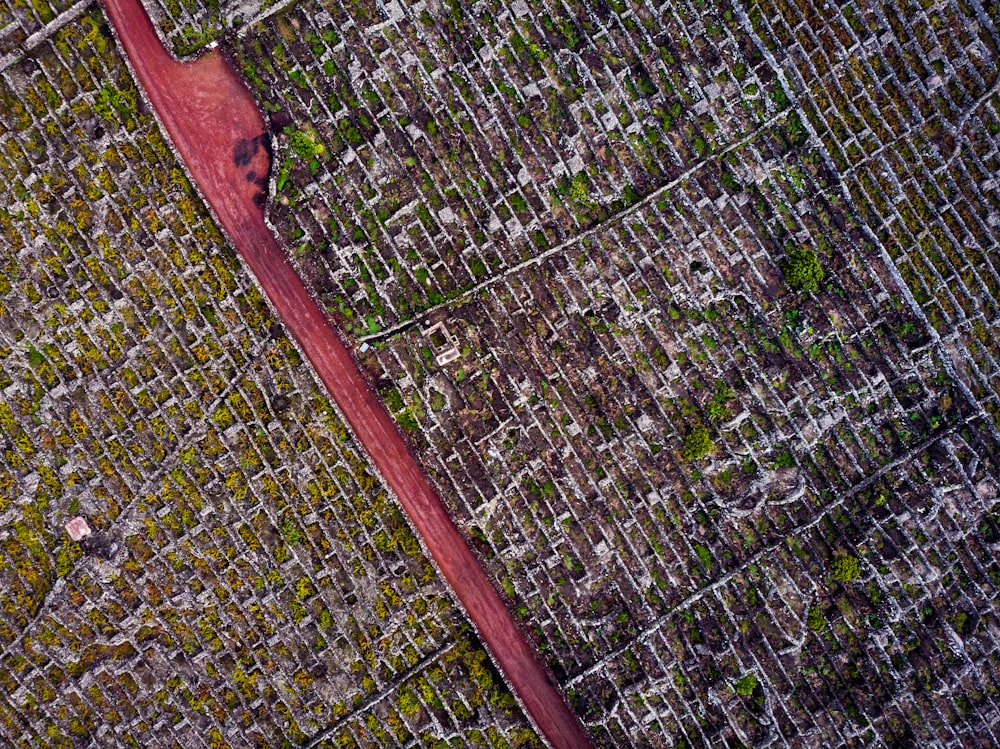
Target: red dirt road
(214, 124)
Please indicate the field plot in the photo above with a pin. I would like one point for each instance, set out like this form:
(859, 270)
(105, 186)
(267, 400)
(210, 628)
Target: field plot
(21, 19)
(642, 332)
(248, 581)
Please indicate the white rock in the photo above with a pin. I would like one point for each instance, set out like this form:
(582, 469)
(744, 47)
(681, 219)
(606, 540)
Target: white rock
(77, 528)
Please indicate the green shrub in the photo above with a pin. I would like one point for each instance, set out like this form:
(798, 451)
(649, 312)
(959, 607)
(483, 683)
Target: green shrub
(779, 97)
(962, 623)
(408, 421)
(407, 702)
(304, 588)
(845, 568)
(815, 619)
(305, 143)
(393, 400)
(704, 556)
(290, 532)
(803, 270)
(746, 685)
(697, 444)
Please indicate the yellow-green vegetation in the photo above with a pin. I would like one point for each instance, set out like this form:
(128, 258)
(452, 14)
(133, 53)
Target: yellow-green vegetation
(746, 685)
(803, 270)
(845, 568)
(697, 443)
(815, 619)
(305, 144)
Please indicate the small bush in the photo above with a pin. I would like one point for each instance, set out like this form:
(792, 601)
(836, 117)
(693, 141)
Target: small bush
(478, 267)
(803, 270)
(305, 143)
(697, 444)
(304, 588)
(407, 702)
(408, 421)
(393, 400)
(962, 623)
(290, 532)
(746, 685)
(704, 556)
(845, 568)
(815, 619)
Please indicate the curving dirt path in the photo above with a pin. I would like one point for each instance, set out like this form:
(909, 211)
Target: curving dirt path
(216, 127)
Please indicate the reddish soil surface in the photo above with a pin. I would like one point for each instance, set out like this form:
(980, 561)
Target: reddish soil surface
(216, 127)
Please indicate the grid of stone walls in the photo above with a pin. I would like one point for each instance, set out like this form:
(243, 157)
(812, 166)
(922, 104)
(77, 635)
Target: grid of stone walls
(248, 581)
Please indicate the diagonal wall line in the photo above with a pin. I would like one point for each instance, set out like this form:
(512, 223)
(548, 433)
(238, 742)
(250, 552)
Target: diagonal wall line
(66, 17)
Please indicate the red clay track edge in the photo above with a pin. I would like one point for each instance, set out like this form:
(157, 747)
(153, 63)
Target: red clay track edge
(219, 133)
